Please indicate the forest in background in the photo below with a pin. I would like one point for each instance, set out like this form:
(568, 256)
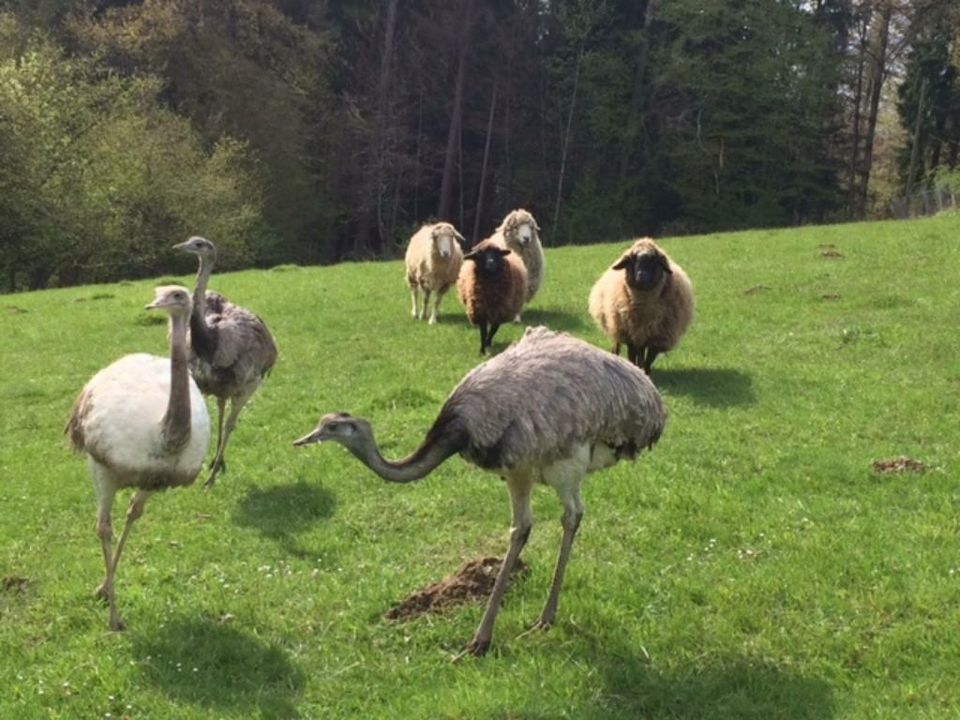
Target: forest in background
(313, 131)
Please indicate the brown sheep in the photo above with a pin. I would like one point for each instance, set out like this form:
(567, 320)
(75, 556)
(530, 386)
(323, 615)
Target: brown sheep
(645, 301)
(492, 287)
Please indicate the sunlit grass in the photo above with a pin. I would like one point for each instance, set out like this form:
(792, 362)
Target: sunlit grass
(752, 566)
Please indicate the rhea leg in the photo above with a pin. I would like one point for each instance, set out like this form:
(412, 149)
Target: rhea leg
(108, 588)
(520, 487)
(565, 477)
(106, 492)
(236, 405)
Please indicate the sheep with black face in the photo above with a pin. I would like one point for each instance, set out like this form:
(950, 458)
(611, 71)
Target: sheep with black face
(492, 287)
(645, 301)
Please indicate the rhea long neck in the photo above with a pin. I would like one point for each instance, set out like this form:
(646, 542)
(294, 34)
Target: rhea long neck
(198, 324)
(203, 278)
(176, 421)
(435, 449)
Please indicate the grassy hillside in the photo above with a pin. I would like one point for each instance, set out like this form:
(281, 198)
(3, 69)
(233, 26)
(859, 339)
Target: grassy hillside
(752, 566)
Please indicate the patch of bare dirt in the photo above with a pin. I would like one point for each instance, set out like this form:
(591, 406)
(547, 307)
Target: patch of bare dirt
(15, 584)
(898, 465)
(756, 289)
(473, 581)
(15, 309)
(830, 296)
(832, 254)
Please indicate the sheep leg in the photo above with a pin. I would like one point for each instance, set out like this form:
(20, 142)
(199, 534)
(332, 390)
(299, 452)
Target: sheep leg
(483, 336)
(426, 303)
(615, 349)
(635, 354)
(520, 488)
(493, 331)
(652, 353)
(415, 300)
(436, 307)
(133, 514)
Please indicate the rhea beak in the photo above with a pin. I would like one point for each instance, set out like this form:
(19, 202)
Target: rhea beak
(182, 247)
(310, 438)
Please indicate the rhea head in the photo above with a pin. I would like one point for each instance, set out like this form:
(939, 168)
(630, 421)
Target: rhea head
(197, 245)
(343, 428)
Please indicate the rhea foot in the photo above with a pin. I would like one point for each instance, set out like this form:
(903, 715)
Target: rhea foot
(539, 626)
(101, 593)
(217, 467)
(117, 624)
(476, 647)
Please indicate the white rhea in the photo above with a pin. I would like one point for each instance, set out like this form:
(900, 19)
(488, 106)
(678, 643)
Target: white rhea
(549, 410)
(143, 424)
(232, 349)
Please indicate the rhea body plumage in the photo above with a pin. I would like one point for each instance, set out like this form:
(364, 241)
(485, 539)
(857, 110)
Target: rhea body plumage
(232, 349)
(143, 424)
(548, 410)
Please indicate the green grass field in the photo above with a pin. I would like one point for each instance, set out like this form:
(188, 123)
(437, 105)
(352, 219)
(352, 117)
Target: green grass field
(752, 566)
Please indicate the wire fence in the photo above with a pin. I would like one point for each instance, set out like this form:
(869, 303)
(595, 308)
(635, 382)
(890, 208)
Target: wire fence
(926, 202)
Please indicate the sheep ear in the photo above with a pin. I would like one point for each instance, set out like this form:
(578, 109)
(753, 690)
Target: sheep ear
(665, 264)
(623, 263)
(503, 251)
(470, 256)
(460, 237)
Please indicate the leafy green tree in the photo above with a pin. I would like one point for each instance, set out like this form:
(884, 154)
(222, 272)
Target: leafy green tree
(748, 84)
(102, 177)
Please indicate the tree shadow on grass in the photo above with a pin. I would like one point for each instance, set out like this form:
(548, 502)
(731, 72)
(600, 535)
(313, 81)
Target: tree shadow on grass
(715, 387)
(281, 512)
(219, 666)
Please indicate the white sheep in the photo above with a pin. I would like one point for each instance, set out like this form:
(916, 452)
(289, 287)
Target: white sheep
(519, 232)
(645, 301)
(433, 263)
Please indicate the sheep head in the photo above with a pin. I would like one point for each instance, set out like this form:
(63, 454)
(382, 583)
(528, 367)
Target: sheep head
(488, 257)
(519, 229)
(646, 268)
(444, 235)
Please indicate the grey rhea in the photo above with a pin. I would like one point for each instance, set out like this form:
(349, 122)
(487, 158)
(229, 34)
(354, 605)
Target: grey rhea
(550, 409)
(232, 349)
(143, 424)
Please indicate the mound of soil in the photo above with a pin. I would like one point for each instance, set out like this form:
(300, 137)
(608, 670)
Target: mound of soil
(756, 289)
(898, 465)
(15, 584)
(832, 254)
(474, 580)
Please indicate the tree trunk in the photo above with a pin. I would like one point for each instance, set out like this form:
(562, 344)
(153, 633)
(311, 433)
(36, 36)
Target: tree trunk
(878, 75)
(857, 102)
(445, 209)
(636, 97)
(475, 236)
(915, 144)
(565, 144)
(370, 228)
